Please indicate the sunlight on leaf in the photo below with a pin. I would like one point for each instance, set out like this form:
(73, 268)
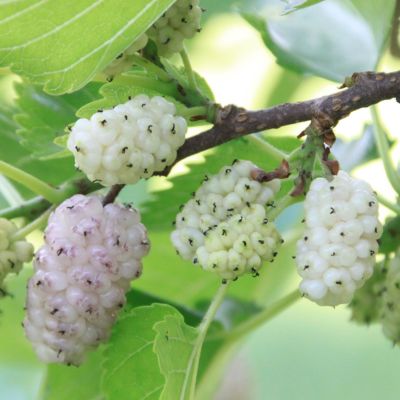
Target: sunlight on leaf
(131, 368)
(62, 45)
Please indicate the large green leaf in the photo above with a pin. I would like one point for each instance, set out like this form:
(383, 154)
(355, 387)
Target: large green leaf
(20, 370)
(11, 151)
(174, 338)
(43, 117)
(131, 369)
(66, 383)
(63, 44)
(333, 39)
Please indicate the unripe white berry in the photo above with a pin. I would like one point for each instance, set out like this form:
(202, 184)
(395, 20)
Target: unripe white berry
(367, 304)
(129, 142)
(337, 251)
(224, 227)
(251, 239)
(13, 252)
(179, 22)
(390, 311)
(90, 255)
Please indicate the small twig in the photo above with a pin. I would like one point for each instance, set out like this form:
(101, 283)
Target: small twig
(112, 194)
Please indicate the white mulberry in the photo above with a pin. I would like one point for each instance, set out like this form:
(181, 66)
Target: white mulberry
(367, 301)
(337, 252)
(240, 244)
(223, 214)
(179, 22)
(13, 253)
(390, 312)
(129, 142)
(90, 255)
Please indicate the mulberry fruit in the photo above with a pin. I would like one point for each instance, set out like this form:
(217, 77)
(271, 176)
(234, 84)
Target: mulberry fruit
(240, 244)
(179, 22)
(211, 227)
(337, 252)
(129, 142)
(13, 253)
(82, 272)
(367, 301)
(390, 312)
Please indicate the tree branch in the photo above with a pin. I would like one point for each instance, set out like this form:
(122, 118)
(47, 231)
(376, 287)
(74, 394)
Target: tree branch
(362, 90)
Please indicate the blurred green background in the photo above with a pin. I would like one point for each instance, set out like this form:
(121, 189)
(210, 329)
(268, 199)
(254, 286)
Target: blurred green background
(308, 352)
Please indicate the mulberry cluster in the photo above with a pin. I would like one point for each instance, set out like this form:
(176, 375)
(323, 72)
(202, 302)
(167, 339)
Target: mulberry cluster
(222, 228)
(179, 22)
(90, 255)
(129, 142)
(337, 252)
(368, 299)
(240, 245)
(390, 312)
(13, 253)
(124, 61)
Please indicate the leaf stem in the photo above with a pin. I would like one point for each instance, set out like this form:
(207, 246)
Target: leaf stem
(231, 339)
(202, 332)
(188, 69)
(32, 208)
(388, 204)
(262, 317)
(10, 193)
(383, 149)
(31, 182)
(35, 224)
(268, 148)
(150, 67)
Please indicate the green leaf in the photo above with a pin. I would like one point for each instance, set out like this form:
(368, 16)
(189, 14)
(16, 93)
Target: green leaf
(65, 383)
(127, 85)
(131, 369)
(136, 298)
(20, 369)
(11, 151)
(390, 239)
(342, 36)
(62, 45)
(175, 338)
(43, 118)
(352, 153)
